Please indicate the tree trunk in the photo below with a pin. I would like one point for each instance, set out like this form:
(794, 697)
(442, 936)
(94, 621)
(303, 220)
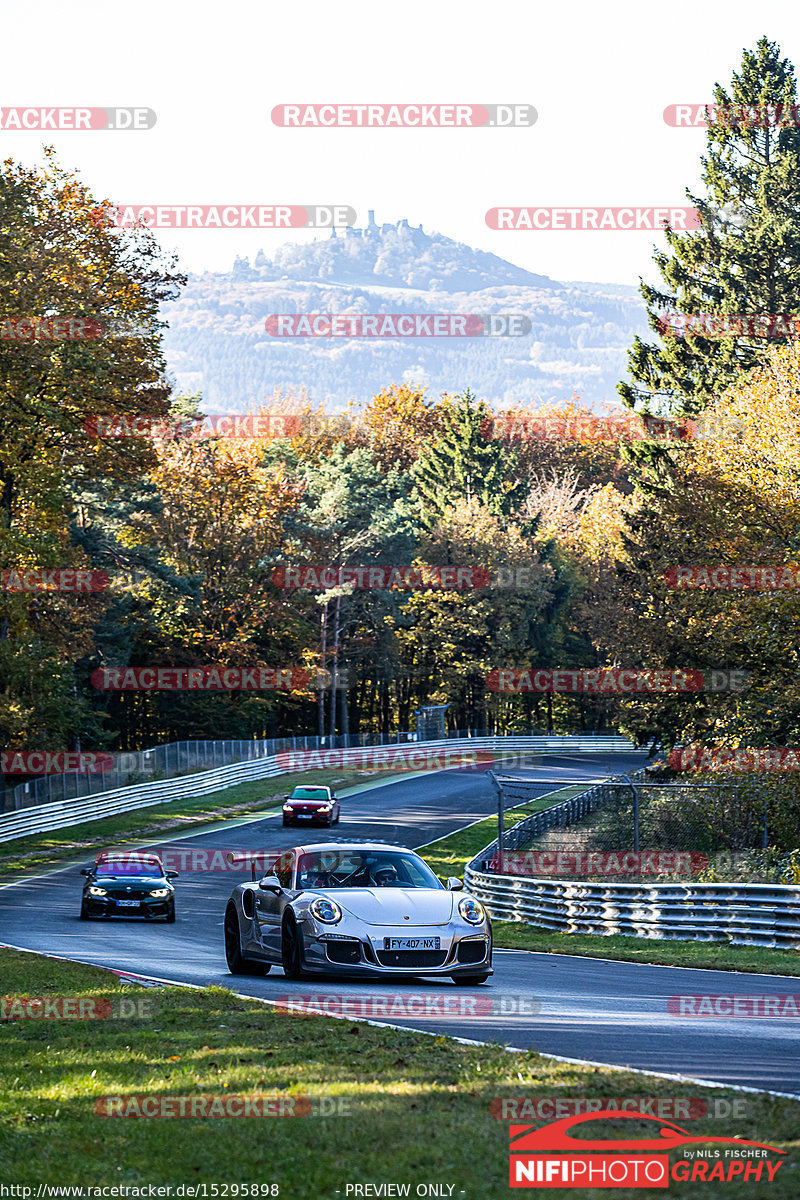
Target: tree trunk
(335, 665)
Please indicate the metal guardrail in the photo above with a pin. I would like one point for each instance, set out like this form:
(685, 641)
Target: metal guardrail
(559, 816)
(44, 817)
(743, 914)
(170, 760)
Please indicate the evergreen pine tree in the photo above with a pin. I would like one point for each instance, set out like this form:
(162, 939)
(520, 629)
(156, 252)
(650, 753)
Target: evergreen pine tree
(746, 256)
(461, 464)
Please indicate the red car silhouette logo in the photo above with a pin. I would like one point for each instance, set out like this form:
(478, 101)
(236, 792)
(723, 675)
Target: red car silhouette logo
(555, 1136)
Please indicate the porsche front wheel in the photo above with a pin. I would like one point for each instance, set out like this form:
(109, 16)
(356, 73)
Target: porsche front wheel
(291, 949)
(237, 963)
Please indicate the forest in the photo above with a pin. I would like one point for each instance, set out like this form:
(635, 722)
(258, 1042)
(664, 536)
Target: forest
(569, 544)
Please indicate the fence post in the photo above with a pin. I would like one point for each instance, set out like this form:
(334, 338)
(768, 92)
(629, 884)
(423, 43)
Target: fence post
(494, 782)
(635, 791)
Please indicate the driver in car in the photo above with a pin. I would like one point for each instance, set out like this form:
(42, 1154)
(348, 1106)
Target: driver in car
(321, 873)
(385, 875)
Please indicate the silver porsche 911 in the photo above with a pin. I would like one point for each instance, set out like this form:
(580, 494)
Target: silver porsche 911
(357, 909)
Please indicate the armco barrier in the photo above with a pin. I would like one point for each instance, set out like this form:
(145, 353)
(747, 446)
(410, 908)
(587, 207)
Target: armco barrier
(44, 817)
(743, 914)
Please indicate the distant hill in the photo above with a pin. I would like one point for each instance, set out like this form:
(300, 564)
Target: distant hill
(216, 342)
(397, 255)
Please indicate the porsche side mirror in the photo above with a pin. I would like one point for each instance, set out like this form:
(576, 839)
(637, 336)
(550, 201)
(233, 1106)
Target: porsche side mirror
(271, 883)
(454, 884)
(172, 874)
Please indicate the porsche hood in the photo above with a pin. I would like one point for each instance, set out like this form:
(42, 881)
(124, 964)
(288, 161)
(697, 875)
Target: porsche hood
(396, 906)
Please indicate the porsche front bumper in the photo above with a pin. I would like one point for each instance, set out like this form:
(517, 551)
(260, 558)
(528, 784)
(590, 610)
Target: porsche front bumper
(330, 952)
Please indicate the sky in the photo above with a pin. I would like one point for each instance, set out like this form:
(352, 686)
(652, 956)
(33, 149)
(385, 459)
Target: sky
(599, 76)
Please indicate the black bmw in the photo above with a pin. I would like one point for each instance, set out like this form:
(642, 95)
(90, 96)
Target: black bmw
(128, 884)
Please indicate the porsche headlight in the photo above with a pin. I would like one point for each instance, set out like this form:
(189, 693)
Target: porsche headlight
(159, 893)
(97, 891)
(471, 910)
(325, 910)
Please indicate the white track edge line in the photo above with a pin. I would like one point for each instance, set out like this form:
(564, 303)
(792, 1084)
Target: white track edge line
(583, 1062)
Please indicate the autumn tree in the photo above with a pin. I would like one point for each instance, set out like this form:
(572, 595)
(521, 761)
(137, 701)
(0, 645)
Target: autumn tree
(732, 500)
(399, 422)
(70, 289)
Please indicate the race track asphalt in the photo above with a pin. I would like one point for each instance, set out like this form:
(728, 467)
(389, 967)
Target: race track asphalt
(602, 1011)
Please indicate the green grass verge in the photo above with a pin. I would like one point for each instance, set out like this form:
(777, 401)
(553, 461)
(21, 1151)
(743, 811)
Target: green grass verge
(450, 855)
(62, 845)
(417, 1108)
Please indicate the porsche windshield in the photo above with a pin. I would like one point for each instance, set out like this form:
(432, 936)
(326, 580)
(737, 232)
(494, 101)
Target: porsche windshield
(363, 868)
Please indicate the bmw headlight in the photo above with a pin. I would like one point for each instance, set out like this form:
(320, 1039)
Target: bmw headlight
(324, 808)
(287, 808)
(471, 910)
(325, 910)
(97, 891)
(159, 893)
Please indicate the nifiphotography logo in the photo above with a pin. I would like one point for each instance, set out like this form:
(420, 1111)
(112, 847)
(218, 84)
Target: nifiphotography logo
(551, 1157)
